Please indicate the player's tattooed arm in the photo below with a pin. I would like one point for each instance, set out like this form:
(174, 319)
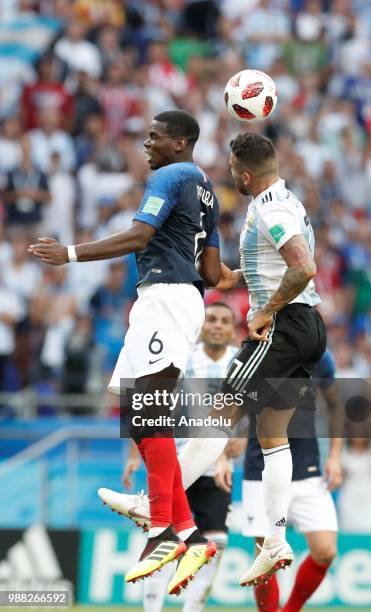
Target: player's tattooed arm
(300, 270)
(135, 239)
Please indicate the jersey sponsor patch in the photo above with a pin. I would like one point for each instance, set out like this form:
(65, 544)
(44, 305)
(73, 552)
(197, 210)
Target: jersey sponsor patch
(153, 205)
(277, 232)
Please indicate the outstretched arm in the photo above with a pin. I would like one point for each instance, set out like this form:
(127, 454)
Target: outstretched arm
(135, 239)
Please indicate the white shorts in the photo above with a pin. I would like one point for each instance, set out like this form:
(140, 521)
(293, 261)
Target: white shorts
(311, 507)
(164, 324)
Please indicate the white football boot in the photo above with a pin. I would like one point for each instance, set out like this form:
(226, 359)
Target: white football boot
(275, 554)
(134, 507)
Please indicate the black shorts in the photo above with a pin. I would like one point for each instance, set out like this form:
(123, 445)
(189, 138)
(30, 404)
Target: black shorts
(209, 504)
(275, 373)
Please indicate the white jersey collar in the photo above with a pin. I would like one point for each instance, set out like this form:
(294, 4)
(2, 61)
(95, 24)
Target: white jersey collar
(277, 187)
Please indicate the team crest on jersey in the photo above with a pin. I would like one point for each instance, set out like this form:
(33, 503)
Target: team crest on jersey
(250, 221)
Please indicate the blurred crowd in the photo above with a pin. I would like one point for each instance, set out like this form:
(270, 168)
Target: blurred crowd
(73, 120)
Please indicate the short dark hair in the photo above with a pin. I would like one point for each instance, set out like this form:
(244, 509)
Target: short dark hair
(180, 124)
(253, 150)
(221, 305)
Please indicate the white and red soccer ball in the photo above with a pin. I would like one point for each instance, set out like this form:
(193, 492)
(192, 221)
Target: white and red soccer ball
(250, 95)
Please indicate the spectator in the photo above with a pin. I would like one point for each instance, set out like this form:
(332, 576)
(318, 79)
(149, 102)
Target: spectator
(96, 13)
(56, 307)
(88, 143)
(26, 192)
(117, 97)
(47, 93)
(265, 29)
(127, 205)
(78, 53)
(77, 361)
(200, 17)
(5, 248)
(10, 146)
(11, 311)
(109, 307)
(59, 215)
(86, 102)
(83, 280)
(109, 46)
(48, 138)
(306, 52)
(21, 275)
(163, 73)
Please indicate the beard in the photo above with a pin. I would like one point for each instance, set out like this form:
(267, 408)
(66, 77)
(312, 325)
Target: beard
(242, 188)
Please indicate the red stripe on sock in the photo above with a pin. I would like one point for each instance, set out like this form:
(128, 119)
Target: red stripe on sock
(161, 461)
(308, 578)
(267, 596)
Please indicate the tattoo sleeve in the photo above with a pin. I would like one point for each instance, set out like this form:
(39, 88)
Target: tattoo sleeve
(300, 270)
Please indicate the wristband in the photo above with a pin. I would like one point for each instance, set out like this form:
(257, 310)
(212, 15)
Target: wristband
(72, 257)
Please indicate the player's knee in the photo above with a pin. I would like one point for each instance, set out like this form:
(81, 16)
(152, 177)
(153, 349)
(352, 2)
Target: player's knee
(324, 555)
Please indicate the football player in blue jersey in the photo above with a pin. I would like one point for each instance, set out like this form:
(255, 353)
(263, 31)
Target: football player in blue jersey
(176, 243)
(311, 507)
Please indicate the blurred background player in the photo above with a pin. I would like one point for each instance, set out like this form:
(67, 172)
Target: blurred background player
(311, 507)
(174, 235)
(210, 496)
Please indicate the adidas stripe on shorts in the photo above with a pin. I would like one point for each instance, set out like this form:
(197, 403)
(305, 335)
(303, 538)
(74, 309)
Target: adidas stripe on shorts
(271, 373)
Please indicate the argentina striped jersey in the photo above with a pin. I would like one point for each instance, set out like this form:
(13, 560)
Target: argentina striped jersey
(273, 217)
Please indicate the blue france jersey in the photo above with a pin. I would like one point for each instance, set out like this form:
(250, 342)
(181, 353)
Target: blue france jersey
(305, 451)
(180, 203)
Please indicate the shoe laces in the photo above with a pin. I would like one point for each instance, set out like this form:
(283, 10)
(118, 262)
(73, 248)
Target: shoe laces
(141, 495)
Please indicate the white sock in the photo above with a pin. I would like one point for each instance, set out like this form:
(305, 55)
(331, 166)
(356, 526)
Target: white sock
(155, 588)
(198, 591)
(155, 531)
(185, 533)
(277, 476)
(198, 454)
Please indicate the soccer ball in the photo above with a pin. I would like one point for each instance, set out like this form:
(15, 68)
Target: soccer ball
(250, 95)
